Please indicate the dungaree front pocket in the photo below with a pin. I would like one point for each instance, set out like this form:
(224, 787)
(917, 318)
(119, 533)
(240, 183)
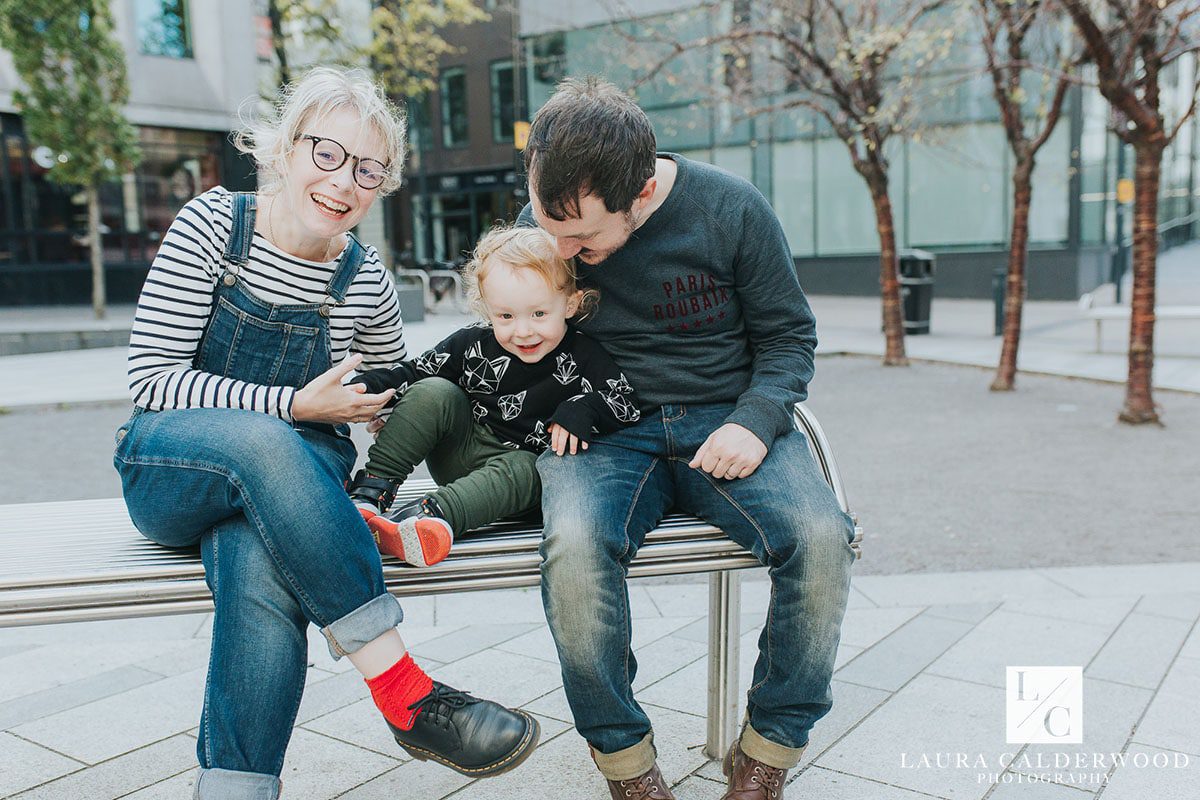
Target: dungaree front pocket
(245, 346)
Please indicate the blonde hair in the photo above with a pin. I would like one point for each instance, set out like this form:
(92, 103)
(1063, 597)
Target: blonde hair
(321, 91)
(523, 248)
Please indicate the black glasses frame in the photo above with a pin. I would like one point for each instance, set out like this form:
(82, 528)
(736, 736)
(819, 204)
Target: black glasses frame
(346, 155)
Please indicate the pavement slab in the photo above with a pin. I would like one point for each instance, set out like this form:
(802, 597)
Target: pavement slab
(24, 764)
(1170, 721)
(36, 705)
(1141, 650)
(109, 727)
(901, 656)
(120, 776)
(929, 716)
(1014, 639)
(1111, 713)
(1176, 780)
(317, 767)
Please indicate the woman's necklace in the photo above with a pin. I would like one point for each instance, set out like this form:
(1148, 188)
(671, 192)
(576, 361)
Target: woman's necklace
(274, 241)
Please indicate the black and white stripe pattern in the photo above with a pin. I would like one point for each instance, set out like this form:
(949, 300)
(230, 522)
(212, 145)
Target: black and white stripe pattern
(178, 296)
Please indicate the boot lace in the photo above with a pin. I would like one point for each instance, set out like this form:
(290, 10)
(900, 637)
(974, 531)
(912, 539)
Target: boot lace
(442, 701)
(769, 778)
(640, 788)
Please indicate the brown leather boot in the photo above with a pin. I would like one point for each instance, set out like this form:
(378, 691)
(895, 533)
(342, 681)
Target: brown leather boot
(750, 779)
(650, 786)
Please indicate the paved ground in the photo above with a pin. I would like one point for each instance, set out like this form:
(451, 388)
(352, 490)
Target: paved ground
(107, 710)
(953, 484)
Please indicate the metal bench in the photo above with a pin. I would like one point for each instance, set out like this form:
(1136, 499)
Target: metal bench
(52, 569)
(1087, 305)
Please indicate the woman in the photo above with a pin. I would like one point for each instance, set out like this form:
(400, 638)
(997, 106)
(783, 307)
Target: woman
(238, 439)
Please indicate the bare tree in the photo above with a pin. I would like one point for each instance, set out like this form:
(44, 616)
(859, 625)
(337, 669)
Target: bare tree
(1131, 42)
(855, 63)
(1029, 118)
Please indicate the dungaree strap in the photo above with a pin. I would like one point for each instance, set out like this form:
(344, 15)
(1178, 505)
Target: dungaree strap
(241, 234)
(347, 268)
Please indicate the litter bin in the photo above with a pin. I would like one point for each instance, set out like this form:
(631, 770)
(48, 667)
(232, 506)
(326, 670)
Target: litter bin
(916, 289)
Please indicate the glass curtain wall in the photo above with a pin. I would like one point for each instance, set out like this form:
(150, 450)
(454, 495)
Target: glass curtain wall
(950, 186)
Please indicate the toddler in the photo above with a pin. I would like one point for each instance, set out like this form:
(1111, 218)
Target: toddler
(481, 405)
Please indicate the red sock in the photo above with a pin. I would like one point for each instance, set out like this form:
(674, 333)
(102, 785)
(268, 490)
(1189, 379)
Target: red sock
(397, 688)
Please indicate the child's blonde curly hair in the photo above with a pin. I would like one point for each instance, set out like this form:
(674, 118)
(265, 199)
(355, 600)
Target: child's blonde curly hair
(523, 248)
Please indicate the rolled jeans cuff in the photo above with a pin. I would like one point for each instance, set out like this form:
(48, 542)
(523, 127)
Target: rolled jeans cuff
(758, 747)
(627, 764)
(363, 625)
(228, 784)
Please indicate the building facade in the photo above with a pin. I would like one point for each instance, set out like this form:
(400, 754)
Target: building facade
(950, 187)
(462, 172)
(192, 68)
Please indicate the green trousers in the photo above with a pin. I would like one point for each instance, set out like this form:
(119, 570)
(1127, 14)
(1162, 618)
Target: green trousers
(480, 479)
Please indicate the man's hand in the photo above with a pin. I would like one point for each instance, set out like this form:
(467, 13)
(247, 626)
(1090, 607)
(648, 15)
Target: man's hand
(729, 452)
(561, 440)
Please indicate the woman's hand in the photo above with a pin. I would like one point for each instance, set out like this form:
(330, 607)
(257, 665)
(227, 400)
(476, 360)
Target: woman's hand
(325, 399)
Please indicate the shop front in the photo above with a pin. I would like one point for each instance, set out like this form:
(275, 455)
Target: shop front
(43, 224)
(452, 210)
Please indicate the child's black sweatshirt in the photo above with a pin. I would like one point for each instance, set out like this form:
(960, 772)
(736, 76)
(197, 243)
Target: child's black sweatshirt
(576, 385)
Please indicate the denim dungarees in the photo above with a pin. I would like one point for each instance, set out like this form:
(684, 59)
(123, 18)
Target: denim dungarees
(282, 544)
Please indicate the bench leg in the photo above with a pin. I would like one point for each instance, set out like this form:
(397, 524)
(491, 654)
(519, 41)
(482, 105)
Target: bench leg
(1097, 335)
(724, 623)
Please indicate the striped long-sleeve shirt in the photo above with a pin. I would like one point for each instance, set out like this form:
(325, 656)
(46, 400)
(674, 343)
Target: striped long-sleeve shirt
(177, 299)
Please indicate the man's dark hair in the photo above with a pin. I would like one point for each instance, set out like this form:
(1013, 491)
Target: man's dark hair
(589, 138)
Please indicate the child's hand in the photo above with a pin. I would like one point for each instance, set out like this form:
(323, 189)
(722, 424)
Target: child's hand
(561, 439)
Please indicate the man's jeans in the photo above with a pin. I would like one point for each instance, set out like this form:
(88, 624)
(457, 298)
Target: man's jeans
(598, 507)
(282, 546)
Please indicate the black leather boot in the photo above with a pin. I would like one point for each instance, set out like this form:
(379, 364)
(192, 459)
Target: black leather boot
(475, 737)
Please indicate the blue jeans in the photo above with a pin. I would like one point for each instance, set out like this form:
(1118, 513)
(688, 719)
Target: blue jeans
(282, 546)
(598, 507)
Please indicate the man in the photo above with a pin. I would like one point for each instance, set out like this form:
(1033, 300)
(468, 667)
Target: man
(701, 308)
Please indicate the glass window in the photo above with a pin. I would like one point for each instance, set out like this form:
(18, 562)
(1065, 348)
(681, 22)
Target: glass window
(794, 184)
(454, 107)
(420, 132)
(502, 101)
(1051, 187)
(162, 28)
(845, 213)
(738, 160)
(957, 186)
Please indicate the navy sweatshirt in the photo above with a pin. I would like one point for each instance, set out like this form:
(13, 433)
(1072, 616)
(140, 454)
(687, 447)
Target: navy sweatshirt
(702, 305)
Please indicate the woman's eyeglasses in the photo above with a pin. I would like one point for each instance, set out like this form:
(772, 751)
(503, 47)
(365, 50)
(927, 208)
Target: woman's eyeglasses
(329, 156)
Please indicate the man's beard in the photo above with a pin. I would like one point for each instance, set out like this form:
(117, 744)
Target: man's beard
(631, 224)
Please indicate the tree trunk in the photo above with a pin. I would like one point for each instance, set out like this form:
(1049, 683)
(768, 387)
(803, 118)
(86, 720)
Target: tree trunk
(1014, 292)
(889, 280)
(278, 42)
(97, 254)
(1139, 400)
